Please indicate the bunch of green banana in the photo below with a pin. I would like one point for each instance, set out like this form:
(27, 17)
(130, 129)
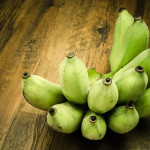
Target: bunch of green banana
(131, 84)
(74, 80)
(143, 104)
(65, 117)
(135, 40)
(40, 92)
(103, 96)
(143, 59)
(80, 86)
(93, 126)
(123, 119)
(123, 22)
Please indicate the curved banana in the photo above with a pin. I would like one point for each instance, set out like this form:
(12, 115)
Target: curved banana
(93, 126)
(123, 119)
(74, 80)
(65, 117)
(103, 96)
(143, 104)
(143, 59)
(131, 84)
(40, 92)
(135, 40)
(123, 22)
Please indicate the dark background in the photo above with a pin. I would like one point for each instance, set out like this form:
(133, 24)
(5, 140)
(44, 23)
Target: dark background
(35, 36)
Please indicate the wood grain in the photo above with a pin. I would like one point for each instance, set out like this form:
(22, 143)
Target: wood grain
(35, 36)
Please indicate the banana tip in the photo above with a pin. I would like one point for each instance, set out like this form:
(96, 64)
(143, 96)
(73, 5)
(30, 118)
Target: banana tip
(70, 55)
(93, 119)
(139, 69)
(107, 81)
(25, 75)
(52, 111)
(121, 9)
(138, 17)
(130, 105)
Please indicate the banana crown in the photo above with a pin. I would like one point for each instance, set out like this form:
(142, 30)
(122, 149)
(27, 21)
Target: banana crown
(93, 75)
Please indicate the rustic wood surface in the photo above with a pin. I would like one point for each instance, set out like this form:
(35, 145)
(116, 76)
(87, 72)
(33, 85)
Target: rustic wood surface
(35, 36)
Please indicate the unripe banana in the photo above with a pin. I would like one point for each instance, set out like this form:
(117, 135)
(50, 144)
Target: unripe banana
(143, 104)
(123, 22)
(93, 126)
(74, 80)
(103, 96)
(123, 119)
(93, 75)
(143, 59)
(40, 92)
(135, 40)
(131, 84)
(65, 117)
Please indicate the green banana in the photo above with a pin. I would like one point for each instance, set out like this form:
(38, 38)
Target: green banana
(143, 59)
(123, 22)
(40, 92)
(74, 80)
(135, 40)
(103, 96)
(123, 119)
(65, 117)
(143, 104)
(93, 75)
(131, 84)
(93, 126)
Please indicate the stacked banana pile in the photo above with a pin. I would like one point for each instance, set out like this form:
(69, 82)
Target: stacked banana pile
(117, 99)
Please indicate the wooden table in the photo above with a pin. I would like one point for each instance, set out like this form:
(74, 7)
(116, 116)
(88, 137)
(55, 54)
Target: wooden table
(35, 36)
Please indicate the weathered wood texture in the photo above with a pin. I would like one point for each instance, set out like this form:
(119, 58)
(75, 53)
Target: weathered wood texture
(35, 35)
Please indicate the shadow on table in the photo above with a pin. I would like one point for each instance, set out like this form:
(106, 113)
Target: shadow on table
(139, 138)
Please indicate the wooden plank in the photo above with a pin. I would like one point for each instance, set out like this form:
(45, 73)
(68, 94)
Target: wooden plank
(28, 130)
(22, 53)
